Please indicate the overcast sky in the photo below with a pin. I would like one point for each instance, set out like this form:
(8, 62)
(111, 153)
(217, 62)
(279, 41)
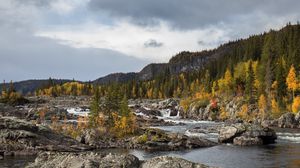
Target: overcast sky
(87, 39)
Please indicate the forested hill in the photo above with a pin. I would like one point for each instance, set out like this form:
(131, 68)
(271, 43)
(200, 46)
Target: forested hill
(29, 86)
(283, 43)
(268, 48)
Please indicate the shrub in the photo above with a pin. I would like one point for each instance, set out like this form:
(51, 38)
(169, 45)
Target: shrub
(142, 139)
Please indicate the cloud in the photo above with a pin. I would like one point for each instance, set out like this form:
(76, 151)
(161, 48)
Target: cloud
(152, 43)
(168, 41)
(26, 56)
(85, 39)
(191, 14)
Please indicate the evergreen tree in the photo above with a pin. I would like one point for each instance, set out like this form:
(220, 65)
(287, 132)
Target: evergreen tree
(95, 108)
(250, 81)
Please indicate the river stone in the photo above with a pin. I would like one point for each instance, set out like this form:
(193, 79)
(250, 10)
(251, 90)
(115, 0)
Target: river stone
(84, 160)
(228, 133)
(297, 118)
(247, 134)
(247, 141)
(101, 160)
(287, 120)
(170, 162)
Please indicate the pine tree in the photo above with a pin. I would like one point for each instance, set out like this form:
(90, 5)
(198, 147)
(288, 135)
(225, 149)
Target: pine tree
(124, 110)
(281, 84)
(250, 81)
(95, 108)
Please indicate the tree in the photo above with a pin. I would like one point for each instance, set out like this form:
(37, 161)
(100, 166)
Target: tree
(227, 83)
(296, 105)
(262, 105)
(291, 80)
(280, 81)
(250, 81)
(4, 90)
(95, 108)
(124, 110)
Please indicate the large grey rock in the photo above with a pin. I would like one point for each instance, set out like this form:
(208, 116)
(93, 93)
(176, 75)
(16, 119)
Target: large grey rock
(247, 141)
(297, 118)
(84, 160)
(96, 160)
(148, 112)
(157, 140)
(247, 134)
(287, 120)
(170, 162)
(228, 133)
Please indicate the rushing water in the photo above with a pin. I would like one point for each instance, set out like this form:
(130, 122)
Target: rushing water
(285, 153)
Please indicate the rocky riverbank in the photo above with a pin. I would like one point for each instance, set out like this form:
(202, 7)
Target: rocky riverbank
(19, 137)
(97, 160)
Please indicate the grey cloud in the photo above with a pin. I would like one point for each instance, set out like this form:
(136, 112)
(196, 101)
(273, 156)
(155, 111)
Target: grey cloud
(27, 57)
(152, 43)
(200, 42)
(191, 14)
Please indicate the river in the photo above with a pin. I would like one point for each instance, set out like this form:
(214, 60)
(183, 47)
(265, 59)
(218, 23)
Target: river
(285, 153)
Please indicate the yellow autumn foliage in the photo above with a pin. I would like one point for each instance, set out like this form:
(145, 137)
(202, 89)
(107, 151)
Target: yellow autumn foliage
(296, 105)
(262, 106)
(223, 114)
(243, 113)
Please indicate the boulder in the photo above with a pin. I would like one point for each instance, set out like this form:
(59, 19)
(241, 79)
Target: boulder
(148, 112)
(88, 160)
(170, 162)
(247, 134)
(168, 103)
(247, 141)
(228, 133)
(157, 140)
(1, 155)
(297, 118)
(101, 160)
(287, 120)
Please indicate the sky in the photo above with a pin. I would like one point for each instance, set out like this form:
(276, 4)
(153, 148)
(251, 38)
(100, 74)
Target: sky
(87, 39)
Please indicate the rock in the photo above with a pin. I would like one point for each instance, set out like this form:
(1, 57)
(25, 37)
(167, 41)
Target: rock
(100, 160)
(287, 120)
(228, 133)
(1, 155)
(247, 141)
(157, 140)
(297, 118)
(148, 112)
(170, 162)
(88, 160)
(168, 103)
(174, 112)
(20, 137)
(269, 123)
(247, 134)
